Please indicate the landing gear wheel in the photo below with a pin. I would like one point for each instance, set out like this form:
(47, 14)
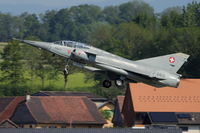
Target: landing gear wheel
(107, 83)
(119, 82)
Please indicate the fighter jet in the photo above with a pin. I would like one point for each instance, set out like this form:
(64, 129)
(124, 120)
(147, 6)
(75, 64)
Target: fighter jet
(158, 71)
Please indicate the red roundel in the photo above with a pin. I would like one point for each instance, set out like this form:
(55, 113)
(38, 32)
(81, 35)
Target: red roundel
(69, 51)
(172, 59)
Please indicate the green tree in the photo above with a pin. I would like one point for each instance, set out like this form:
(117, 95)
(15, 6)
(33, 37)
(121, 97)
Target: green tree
(6, 26)
(138, 12)
(172, 17)
(191, 14)
(107, 114)
(111, 15)
(12, 67)
(31, 24)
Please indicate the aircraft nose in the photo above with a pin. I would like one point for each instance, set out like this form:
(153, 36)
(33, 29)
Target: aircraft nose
(43, 45)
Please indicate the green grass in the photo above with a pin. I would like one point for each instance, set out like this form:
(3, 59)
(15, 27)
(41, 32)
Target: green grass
(76, 82)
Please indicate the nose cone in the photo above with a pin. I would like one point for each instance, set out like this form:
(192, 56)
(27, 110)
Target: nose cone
(43, 45)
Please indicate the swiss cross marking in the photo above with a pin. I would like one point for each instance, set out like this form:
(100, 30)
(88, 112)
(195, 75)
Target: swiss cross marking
(172, 59)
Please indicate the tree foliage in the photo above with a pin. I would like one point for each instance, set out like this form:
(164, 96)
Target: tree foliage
(12, 67)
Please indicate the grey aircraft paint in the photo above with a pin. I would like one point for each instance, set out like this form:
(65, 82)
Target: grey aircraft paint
(157, 71)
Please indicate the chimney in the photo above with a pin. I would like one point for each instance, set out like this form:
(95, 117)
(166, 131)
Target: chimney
(28, 97)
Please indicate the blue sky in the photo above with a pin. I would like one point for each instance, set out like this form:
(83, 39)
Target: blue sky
(16, 7)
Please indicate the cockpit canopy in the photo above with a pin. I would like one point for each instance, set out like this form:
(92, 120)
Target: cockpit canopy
(72, 44)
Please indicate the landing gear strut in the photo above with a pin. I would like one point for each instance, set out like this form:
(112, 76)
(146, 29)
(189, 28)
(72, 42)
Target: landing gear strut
(107, 83)
(66, 73)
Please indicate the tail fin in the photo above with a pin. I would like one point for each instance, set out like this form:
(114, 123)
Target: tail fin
(171, 62)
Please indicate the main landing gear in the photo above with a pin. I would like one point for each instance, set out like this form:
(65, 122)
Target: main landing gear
(108, 83)
(119, 82)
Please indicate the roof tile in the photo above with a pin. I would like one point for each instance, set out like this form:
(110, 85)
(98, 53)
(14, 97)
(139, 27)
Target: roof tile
(10, 108)
(64, 109)
(185, 98)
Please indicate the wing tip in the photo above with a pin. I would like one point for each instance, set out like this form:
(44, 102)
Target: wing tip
(183, 55)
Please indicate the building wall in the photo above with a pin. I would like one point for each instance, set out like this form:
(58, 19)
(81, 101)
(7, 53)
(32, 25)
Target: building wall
(192, 129)
(97, 103)
(108, 107)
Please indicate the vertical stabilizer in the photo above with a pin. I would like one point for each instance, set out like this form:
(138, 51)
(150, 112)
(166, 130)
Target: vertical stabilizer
(171, 62)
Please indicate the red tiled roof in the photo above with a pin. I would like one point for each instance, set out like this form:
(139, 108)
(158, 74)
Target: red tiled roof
(185, 98)
(63, 109)
(66, 93)
(4, 102)
(8, 110)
